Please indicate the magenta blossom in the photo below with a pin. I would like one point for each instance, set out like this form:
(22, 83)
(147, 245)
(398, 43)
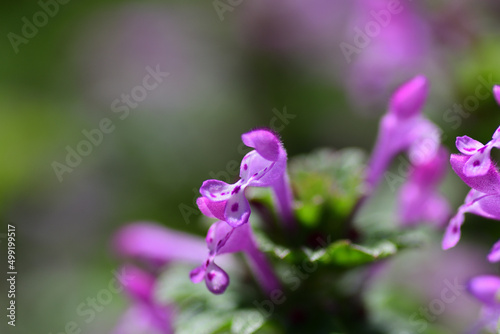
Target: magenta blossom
(223, 238)
(486, 289)
(483, 200)
(419, 199)
(481, 161)
(145, 315)
(265, 166)
(403, 128)
(157, 245)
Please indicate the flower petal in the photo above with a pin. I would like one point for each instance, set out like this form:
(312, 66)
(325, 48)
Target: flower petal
(409, 99)
(479, 163)
(237, 210)
(211, 209)
(253, 167)
(265, 142)
(216, 190)
(494, 255)
(488, 183)
(197, 274)
(452, 234)
(467, 145)
(485, 288)
(216, 279)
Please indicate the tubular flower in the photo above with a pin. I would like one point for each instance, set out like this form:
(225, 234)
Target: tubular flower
(419, 199)
(403, 128)
(482, 200)
(223, 238)
(486, 289)
(145, 315)
(157, 245)
(265, 166)
(481, 161)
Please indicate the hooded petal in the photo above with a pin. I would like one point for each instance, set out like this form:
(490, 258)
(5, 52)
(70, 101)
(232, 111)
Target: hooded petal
(157, 244)
(265, 142)
(409, 99)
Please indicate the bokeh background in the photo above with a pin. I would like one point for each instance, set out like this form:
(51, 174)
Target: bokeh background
(232, 67)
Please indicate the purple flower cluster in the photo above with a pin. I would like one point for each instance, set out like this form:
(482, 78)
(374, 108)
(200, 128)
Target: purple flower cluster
(403, 129)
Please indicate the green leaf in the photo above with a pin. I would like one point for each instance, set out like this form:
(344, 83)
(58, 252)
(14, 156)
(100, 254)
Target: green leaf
(345, 253)
(327, 181)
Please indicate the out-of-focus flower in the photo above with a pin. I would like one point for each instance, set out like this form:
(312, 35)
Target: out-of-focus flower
(419, 199)
(486, 289)
(403, 128)
(156, 245)
(386, 42)
(222, 238)
(145, 315)
(265, 166)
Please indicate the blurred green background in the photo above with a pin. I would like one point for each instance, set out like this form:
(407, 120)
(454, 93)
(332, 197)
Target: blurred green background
(263, 59)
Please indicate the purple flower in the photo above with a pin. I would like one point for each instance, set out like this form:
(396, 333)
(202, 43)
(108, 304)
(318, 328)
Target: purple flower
(265, 166)
(403, 128)
(483, 200)
(419, 199)
(157, 245)
(486, 289)
(145, 315)
(223, 238)
(481, 161)
(387, 42)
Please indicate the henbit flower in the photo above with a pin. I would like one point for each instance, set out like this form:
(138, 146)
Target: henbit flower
(481, 161)
(145, 315)
(482, 200)
(222, 239)
(265, 166)
(419, 199)
(486, 289)
(404, 128)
